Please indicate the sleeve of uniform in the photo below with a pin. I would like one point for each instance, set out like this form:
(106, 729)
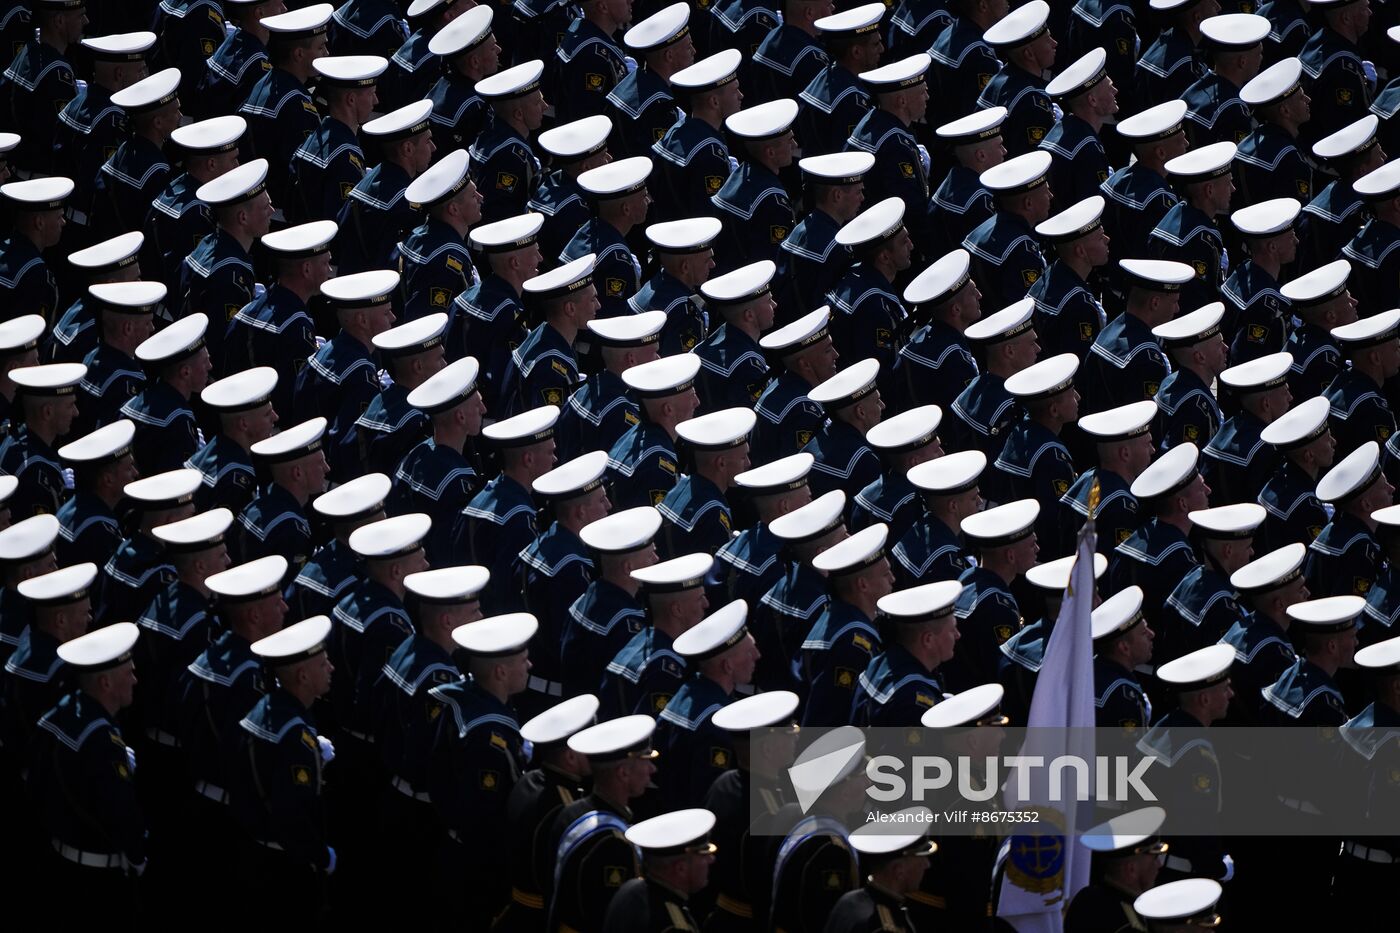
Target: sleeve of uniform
(111, 777)
(826, 876)
(550, 382)
(294, 797)
(470, 778)
(607, 866)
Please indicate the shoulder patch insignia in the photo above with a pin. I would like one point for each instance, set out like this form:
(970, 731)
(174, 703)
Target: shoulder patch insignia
(1123, 534)
(553, 397)
(861, 642)
(924, 699)
(724, 520)
(1029, 277)
(1304, 189)
(439, 297)
(982, 80)
(123, 771)
(1257, 332)
(657, 496)
(1150, 388)
(659, 701)
(207, 45)
(266, 65)
(614, 287)
(712, 184)
(614, 875)
(1061, 487)
(561, 369)
(1003, 632)
(301, 776)
(777, 234)
(309, 741)
(630, 418)
(1382, 433)
(345, 189)
(719, 757)
(454, 263)
(1200, 268)
(658, 133)
(668, 465)
(489, 780)
(803, 439)
(498, 741)
(593, 82)
(357, 162)
(832, 880)
(1086, 332)
(906, 169)
(845, 678)
(1035, 134)
(230, 311)
(506, 181)
(310, 108)
(1343, 95)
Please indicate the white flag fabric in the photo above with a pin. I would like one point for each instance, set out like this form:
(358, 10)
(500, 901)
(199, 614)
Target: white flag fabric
(1041, 874)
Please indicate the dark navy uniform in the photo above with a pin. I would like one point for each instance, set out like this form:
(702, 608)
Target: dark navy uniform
(36, 465)
(412, 72)
(561, 201)
(867, 316)
(1267, 165)
(176, 223)
(1006, 258)
(891, 499)
(1292, 511)
(810, 262)
(190, 31)
(389, 429)
(587, 66)
(1168, 67)
(895, 690)
(965, 63)
(88, 132)
(404, 710)
(476, 759)
(88, 531)
(987, 616)
(1360, 412)
(686, 320)
(643, 677)
(1080, 164)
(435, 266)
(872, 909)
(281, 116)
(324, 580)
(816, 847)
(1316, 360)
(373, 219)
(221, 685)
(959, 205)
(1259, 313)
(166, 432)
(1111, 24)
(899, 170)
(843, 460)
(981, 415)
(177, 627)
(1101, 907)
(596, 416)
(590, 861)
(324, 170)
(694, 751)
(1118, 514)
(1343, 560)
(642, 467)
(833, 104)
(366, 27)
(1035, 464)
(35, 679)
(274, 329)
(1119, 700)
(125, 187)
(1155, 557)
(616, 271)
(495, 527)
(1239, 458)
(38, 84)
(1201, 610)
(112, 379)
(733, 369)
(914, 26)
(1288, 29)
(1068, 318)
(838, 649)
(26, 278)
(1124, 365)
(372, 624)
(459, 112)
(1304, 695)
(1029, 117)
(272, 523)
(1187, 235)
(531, 808)
(490, 319)
(747, 565)
(601, 623)
(130, 580)
(934, 367)
(644, 901)
(74, 336)
(787, 418)
(760, 215)
(217, 279)
(785, 63)
(1336, 82)
(645, 110)
(1375, 260)
(695, 165)
(230, 73)
(929, 552)
(1215, 113)
(543, 372)
(438, 481)
(1137, 199)
(697, 518)
(338, 383)
(1262, 653)
(785, 615)
(1328, 222)
(553, 572)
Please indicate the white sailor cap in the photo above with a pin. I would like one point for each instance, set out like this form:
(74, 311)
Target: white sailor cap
(719, 430)
(1383, 657)
(1073, 222)
(357, 498)
(1273, 570)
(1198, 670)
(110, 255)
(350, 71)
(8, 485)
(1186, 902)
(1387, 518)
(977, 127)
(120, 46)
(1167, 6)
(764, 121)
(236, 185)
(628, 330)
(897, 76)
(1002, 525)
(847, 387)
(8, 142)
(177, 341)
(1202, 164)
(949, 474)
(300, 440)
(100, 650)
(577, 477)
(196, 533)
(778, 476)
(251, 581)
(447, 388)
(300, 24)
(509, 235)
(1128, 834)
(715, 634)
(107, 444)
(616, 179)
(497, 636)
(686, 572)
(736, 289)
(909, 430)
(391, 538)
(416, 336)
(1008, 323)
(243, 391)
(561, 281)
(59, 587)
(1329, 614)
(1369, 331)
(1081, 76)
(877, 844)
(691, 235)
(1353, 476)
(40, 194)
(420, 8)
(1045, 379)
(616, 739)
(814, 520)
(1169, 473)
(27, 539)
(1018, 175)
(681, 832)
(854, 554)
(295, 643)
(1117, 614)
(440, 183)
(801, 334)
(1154, 123)
(50, 379)
(302, 241)
(836, 168)
(128, 297)
(529, 427)
(561, 720)
(464, 33)
(1302, 424)
(361, 289)
(1022, 25)
(1318, 286)
(404, 123)
(1235, 30)
(1228, 522)
(1267, 218)
(21, 334)
(164, 490)
(576, 141)
(670, 375)
(708, 73)
(512, 83)
(849, 24)
(1260, 374)
(942, 280)
(1352, 140)
(976, 706)
(1121, 423)
(920, 603)
(659, 30)
(1157, 275)
(1273, 84)
(873, 227)
(217, 134)
(760, 711)
(620, 532)
(149, 94)
(1054, 575)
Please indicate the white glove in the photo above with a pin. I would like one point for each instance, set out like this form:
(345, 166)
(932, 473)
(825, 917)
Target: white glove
(320, 341)
(327, 750)
(630, 62)
(67, 478)
(1229, 867)
(733, 165)
(131, 759)
(229, 28)
(385, 380)
(923, 157)
(1370, 70)
(1224, 263)
(258, 289)
(1059, 114)
(80, 84)
(330, 869)
(199, 436)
